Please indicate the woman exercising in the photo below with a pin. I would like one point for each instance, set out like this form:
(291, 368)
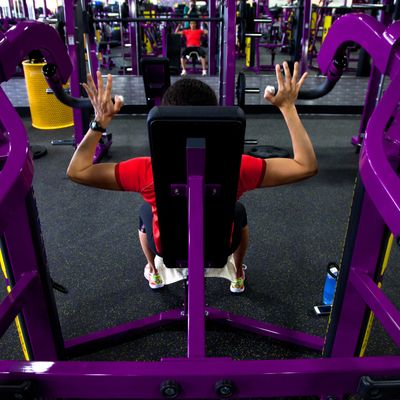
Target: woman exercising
(136, 174)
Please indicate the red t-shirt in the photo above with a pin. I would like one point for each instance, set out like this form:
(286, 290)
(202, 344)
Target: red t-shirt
(136, 175)
(193, 37)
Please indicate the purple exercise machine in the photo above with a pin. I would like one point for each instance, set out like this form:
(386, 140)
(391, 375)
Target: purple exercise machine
(226, 62)
(376, 80)
(333, 374)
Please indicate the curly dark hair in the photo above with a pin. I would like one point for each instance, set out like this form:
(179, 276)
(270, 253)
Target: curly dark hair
(189, 92)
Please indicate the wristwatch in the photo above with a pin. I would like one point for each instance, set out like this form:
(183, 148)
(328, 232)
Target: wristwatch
(95, 126)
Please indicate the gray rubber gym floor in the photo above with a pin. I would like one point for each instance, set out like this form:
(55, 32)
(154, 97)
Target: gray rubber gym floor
(92, 248)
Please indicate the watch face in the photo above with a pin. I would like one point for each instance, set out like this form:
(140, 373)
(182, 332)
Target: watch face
(94, 125)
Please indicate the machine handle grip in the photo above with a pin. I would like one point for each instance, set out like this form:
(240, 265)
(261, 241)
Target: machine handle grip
(51, 74)
(334, 74)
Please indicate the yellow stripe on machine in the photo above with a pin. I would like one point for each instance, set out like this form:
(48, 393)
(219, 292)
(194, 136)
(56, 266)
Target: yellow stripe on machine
(17, 320)
(327, 26)
(248, 51)
(371, 315)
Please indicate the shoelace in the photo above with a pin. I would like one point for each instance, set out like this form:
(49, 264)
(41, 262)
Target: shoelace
(156, 278)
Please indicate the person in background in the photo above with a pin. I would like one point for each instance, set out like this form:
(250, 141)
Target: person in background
(60, 25)
(125, 13)
(192, 11)
(193, 44)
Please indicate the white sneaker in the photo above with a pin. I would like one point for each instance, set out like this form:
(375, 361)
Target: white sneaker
(237, 285)
(183, 73)
(155, 280)
(204, 73)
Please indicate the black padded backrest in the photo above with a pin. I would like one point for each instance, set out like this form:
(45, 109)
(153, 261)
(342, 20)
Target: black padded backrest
(223, 129)
(156, 78)
(174, 51)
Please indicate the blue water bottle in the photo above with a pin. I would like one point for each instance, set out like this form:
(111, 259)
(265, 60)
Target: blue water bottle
(330, 283)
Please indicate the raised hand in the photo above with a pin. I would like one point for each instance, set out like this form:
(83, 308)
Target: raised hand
(288, 87)
(100, 97)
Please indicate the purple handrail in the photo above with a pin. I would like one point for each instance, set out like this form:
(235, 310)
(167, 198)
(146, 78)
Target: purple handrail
(18, 158)
(378, 175)
(15, 45)
(362, 29)
(26, 36)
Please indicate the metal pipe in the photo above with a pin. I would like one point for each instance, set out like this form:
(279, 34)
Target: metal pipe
(141, 19)
(252, 90)
(263, 20)
(86, 37)
(52, 77)
(253, 34)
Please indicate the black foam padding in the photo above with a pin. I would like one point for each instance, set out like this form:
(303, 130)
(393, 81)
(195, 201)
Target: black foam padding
(223, 129)
(156, 78)
(174, 52)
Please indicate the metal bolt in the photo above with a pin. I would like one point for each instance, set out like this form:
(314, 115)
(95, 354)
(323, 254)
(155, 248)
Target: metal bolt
(170, 392)
(225, 390)
(170, 389)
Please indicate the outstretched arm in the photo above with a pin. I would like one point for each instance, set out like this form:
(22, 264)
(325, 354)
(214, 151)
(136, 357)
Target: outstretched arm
(280, 171)
(81, 168)
(179, 30)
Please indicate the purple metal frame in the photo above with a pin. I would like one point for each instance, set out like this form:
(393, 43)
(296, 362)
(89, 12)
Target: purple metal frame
(196, 374)
(305, 37)
(69, 17)
(75, 87)
(228, 54)
(375, 85)
(91, 47)
(16, 177)
(196, 301)
(141, 380)
(262, 13)
(134, 37)
(212, 38)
